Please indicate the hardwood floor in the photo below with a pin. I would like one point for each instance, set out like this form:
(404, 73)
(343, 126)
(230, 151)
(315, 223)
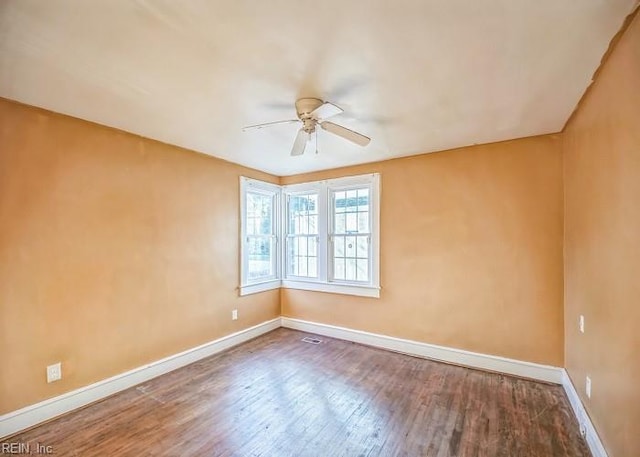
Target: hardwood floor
(279, 396)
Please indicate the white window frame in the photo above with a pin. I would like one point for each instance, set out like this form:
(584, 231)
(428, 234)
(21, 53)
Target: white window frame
(272, 282)
(323, 282)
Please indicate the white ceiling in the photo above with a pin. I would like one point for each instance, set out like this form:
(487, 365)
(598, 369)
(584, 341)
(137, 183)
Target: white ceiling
(416, 76)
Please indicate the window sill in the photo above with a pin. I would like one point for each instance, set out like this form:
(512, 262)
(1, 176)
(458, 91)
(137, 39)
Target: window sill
(344, 289)
(260, 287)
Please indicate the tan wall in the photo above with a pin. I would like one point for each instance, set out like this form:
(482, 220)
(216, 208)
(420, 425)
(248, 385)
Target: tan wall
(602, 247)
(114, 251)
(471, 252)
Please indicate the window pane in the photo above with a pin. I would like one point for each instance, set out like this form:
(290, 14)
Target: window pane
(363, 222)
(362, 270)
(302, 266)
(350, 270)
(312, 270)
(292, 264)
(350, 248)
(302, 252)
(352, 222)
(338, 268)
(312, 267)
(292, 256)
(352, 200)
(362, 247)
(340, 223)
(303, 214)
(259, 210)
(351, 211)
(338, 246)
(312, 246)
(260, 261)
(313, 224)
(340, 202)
(302, 245)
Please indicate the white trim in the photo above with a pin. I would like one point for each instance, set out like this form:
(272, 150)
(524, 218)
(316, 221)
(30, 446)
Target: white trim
(29, 416)
(303, 187)
(32, 415)
(349, 181)
(487, 362)
(586, 426)
(332, 288)
(260, 287)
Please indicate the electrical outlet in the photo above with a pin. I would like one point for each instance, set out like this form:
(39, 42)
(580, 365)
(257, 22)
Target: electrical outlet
(234, 315)
(587, 386)
(581, 323)
(54, 372)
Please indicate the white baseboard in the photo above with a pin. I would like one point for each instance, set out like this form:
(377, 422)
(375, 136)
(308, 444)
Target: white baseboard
(430, 351)
(586, 426)
(29, 416)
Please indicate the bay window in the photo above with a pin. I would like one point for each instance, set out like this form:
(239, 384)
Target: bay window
(329, 232)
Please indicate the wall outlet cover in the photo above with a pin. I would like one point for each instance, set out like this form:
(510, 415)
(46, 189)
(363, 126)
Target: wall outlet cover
(54, 372)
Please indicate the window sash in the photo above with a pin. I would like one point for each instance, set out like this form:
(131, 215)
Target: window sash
(312, 270)
(351, 263)
(269, 264)
(352, 266)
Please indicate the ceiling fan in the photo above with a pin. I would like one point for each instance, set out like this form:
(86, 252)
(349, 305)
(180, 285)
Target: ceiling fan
(311, 113)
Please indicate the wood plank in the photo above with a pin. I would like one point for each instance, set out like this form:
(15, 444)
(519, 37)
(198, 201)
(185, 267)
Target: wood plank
(277, 396)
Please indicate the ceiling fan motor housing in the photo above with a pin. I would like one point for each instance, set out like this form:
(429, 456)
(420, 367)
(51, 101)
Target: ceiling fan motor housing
(305, 106)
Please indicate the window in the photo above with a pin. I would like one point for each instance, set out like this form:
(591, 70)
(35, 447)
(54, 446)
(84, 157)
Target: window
(259, 231)
(329, 232)
(351, 235)
(332, 235)
(302, 235)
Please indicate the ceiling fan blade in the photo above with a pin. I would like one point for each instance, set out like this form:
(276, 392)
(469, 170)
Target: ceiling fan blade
(325, 111)
(300, 143)
(268, 124)
(345, 133)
